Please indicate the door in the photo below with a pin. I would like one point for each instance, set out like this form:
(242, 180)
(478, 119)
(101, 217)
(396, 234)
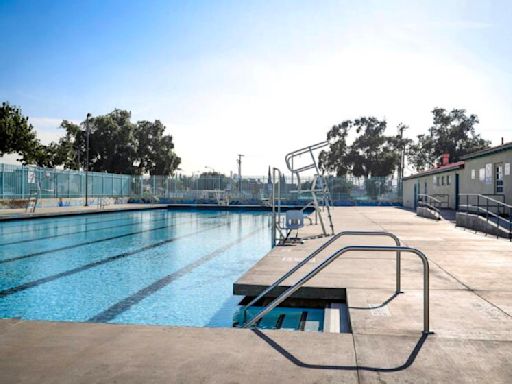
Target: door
(498, 179)
(415, 195)
(457, 201)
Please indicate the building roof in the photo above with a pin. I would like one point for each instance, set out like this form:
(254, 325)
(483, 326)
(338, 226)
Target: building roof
(488, 151)
(441, 169)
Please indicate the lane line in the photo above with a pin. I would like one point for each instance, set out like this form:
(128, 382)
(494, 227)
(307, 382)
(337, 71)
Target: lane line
(125, 304)
(161, 218)
(72, 246)
(35, 283)
(63, 220)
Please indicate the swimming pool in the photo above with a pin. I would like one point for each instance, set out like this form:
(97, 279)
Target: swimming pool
(146, 267)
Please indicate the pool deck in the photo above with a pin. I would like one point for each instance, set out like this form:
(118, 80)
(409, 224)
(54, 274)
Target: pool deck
(21, 214)
(470, 314)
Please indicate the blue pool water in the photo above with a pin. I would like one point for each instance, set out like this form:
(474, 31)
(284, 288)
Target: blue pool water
(147, 267)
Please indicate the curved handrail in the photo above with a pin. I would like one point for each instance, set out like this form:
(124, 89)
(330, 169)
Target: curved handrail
(320, 249)
(334, 256)
(302, 151)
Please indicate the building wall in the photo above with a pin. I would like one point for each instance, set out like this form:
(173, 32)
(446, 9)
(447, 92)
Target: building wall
(468, 184)
(426, 185)
(408, 193)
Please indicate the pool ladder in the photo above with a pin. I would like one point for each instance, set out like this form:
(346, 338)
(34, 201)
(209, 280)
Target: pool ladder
(398, 249)
(300, 325)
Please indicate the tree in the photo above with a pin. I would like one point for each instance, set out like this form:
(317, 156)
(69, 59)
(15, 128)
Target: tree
(112, 143)
(372, 154)
(155, 150)
(71, 148)
(117, 145)
(16, 134)
(335, 159)
(451, 132)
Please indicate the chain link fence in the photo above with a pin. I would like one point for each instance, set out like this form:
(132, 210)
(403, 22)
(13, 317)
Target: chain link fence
(24, 182)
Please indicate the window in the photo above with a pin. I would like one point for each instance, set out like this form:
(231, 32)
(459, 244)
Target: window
(447, 179)
(473, 174)
(442, 180)
(499, 178)
(481, 174)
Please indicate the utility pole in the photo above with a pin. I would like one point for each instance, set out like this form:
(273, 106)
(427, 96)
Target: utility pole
(88, 131)
(401, 129)
(239, 161)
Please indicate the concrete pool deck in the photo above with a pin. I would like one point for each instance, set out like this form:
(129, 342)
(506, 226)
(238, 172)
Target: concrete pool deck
(470, 315)
(21, 214)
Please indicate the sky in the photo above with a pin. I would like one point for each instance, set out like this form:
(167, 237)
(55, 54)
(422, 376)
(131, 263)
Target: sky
(259, 78)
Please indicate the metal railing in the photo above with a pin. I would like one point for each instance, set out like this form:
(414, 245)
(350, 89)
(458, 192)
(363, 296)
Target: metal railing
(334, 256)
(290, 157)
(320, 249)
(430, 202)
(443, 198)
(488, 207)
(276, 212)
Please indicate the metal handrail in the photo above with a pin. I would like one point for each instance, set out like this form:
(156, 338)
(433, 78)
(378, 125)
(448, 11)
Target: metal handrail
(274, 222)
(425, 203)
(479, 195)
(486, 211)
(303, 151)
(430, 197)
(334, 256)
(501, 208)
(299, 152)
(439, 197)
(320, 249)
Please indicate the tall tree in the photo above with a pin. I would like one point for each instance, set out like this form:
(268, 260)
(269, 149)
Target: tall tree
(119, 146)
(155, 150)
(71, 148)
(17, 135)
(112, 143)
(371, 154)
(335, 159)
(451, 132)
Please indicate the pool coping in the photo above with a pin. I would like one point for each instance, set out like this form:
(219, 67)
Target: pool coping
(78, 212)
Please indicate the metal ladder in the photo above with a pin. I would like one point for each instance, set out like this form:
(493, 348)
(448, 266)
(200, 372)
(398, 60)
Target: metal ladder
(398, 249)
(33, 199)
(319, 190)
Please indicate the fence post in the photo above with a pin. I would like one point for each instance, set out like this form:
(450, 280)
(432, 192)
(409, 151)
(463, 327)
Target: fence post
(23, 182)
(3, 176)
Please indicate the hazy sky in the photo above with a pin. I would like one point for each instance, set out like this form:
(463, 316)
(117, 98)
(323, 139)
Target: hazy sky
(256, 77)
